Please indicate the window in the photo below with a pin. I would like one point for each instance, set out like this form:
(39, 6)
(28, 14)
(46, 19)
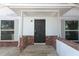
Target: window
(71, 25)
(7, 29)
(71, 30)
(71, 35)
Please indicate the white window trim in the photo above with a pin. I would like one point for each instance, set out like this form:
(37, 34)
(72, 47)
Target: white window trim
(70, 30)
(7, 30)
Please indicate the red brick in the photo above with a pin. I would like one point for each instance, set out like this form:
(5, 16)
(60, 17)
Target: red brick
(51, 40)
(8, 44)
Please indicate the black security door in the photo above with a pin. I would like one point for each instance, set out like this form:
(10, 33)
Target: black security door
(39, 31)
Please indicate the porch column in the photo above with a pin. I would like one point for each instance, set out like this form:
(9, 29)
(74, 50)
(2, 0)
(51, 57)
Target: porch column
(20, 28)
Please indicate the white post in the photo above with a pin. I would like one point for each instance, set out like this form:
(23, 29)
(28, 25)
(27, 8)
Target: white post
(20, 27)
(58, 19)
(21, 23)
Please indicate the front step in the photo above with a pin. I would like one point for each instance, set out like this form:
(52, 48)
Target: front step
(39, 43)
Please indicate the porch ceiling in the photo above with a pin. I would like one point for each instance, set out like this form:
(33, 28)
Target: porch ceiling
(62, 8)
(74, 12)
(52, 14)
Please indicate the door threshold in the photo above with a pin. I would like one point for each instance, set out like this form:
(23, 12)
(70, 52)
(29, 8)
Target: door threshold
(39, 43)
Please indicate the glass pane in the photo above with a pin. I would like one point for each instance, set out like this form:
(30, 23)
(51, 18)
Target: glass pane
(71, 35)
(7, 24)
(71, 25)
(7, 35)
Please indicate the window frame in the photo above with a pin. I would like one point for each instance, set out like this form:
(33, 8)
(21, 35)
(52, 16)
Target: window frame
(7, 30)
(70, 29)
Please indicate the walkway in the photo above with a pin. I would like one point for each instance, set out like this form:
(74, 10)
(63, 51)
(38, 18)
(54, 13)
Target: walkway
(39, 50)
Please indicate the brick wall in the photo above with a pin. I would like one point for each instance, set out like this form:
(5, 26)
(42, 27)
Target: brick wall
(29, 40)
(25, 41)
(51, 40)
(8, 43)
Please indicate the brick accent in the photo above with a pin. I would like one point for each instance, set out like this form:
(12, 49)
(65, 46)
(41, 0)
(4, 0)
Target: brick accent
(8, 43)
(51, 40)
(25, 41)
(29, 40)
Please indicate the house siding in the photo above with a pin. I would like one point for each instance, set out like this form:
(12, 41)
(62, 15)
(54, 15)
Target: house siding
(51, 28)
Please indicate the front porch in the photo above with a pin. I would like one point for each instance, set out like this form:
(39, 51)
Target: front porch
(23, 25)
(63, 47)
(29, 40)
(39, 49)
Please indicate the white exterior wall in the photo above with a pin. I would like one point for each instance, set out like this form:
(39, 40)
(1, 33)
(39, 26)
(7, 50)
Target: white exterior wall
(51, 25)
(65, 50)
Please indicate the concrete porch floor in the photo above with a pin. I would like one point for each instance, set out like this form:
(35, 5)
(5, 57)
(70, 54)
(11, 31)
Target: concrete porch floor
(9, 51)
(31, 50)
(39, 49)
